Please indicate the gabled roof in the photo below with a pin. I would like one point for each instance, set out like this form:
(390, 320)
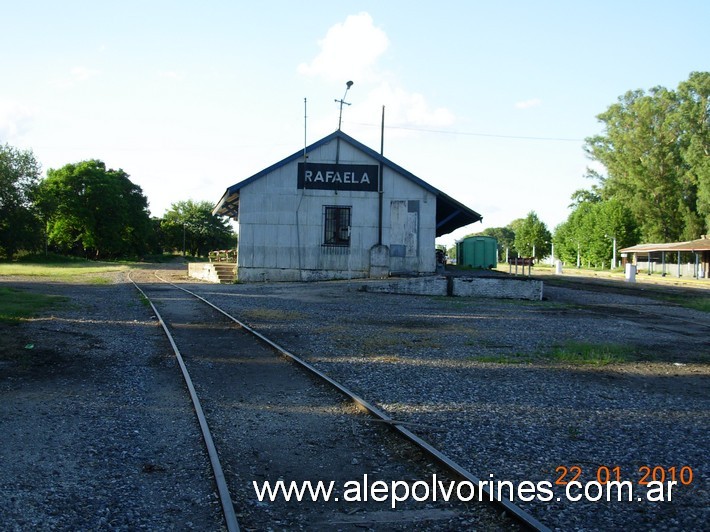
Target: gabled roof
(450, 214)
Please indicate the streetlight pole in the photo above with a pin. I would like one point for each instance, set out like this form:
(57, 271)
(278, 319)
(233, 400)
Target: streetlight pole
(342, 101)
(613, 251)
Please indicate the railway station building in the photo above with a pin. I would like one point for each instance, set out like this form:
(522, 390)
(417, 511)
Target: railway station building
(336, 210)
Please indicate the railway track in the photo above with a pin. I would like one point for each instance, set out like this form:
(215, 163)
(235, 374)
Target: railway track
(263, 421)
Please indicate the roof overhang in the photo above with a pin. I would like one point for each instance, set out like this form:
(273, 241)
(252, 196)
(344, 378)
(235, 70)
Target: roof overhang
(701, 244)
(450, 214)
(228, 205)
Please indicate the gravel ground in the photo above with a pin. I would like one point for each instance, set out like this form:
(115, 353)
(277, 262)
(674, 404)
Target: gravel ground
(97, 431)
(272, 420)
(78, 452)
(444, 363)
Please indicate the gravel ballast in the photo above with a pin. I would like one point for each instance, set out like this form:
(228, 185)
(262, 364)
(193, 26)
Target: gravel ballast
(445, 363)
(79, 451)
(97, 431)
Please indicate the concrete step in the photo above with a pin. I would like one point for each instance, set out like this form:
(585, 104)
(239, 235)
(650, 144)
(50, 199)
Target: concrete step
(226, 272)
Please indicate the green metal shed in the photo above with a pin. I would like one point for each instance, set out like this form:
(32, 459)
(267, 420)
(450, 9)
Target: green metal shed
(477, 252)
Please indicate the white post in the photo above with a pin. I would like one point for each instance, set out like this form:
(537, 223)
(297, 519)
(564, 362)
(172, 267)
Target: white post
(630, 273)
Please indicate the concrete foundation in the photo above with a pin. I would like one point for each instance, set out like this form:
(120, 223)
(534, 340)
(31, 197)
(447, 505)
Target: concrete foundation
(204, 271)
(487, 287)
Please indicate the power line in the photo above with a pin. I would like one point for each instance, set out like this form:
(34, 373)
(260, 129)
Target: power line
(472, 134)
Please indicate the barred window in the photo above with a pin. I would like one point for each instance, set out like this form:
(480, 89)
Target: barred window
(336, 225)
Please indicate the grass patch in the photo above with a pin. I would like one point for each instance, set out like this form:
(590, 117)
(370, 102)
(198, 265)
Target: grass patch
(592, 354)
(576, 353)
(60, 270)
(18, 304)
(697, 303)
(701, 303)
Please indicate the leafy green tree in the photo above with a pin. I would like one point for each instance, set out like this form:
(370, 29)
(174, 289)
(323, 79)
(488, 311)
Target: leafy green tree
(655, 149)
(20, 228)
(191, 226)
(590, 230)
(94, 212)
(694, 111)
(566, 241)
(532, 238)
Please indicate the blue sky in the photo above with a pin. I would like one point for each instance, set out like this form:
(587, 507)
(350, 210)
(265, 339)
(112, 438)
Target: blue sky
(488, 101)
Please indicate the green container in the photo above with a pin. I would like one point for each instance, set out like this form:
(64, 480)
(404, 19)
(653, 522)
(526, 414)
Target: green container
(477, 252)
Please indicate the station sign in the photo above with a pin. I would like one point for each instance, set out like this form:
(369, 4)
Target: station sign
(331, 176)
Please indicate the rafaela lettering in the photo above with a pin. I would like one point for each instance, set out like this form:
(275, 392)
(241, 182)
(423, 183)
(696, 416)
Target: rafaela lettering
(330, 176)
(335, 177)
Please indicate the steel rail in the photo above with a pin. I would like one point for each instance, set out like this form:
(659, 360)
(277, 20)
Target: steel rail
(516, 512)
(222, 488)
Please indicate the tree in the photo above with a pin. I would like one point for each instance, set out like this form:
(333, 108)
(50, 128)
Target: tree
(191, 226)
(694, 118)
(532, 238)
(94, 212)
(19, 226)
(655, 149)
(590, 230)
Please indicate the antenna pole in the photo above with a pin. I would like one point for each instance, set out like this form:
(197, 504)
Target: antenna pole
(305, 118)
(380, 180)
(382, 133)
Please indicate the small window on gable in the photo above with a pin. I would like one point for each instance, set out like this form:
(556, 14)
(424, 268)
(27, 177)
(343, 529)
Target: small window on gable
(336, 224)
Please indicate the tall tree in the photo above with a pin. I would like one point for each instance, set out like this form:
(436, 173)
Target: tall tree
(190, 226)
(94, 212)
(532, 238)
(694, 119)
(19, 226)
(655, 149)
(590, 230)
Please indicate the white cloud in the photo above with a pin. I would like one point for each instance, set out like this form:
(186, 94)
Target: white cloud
(351, 51)
(348, 51)
(15, 120)
(527, 104)
(403, 108)
(171, 74)
(78, 74)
